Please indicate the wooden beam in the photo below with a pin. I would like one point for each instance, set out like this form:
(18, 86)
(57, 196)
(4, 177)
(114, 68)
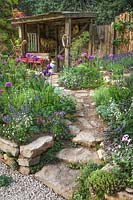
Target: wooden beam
(37, 19)
(53, 16)
(68, 33)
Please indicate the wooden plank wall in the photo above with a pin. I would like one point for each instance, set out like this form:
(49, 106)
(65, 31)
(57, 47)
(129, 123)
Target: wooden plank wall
(102, 36)
(103, 44)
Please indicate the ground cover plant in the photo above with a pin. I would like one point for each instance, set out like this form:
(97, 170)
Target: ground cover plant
(5, 180)
(87, 70)
(85, 75)
(114, 105)
(30, 106)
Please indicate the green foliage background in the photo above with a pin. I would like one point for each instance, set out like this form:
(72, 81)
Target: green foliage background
(106, 9)
(5, 27)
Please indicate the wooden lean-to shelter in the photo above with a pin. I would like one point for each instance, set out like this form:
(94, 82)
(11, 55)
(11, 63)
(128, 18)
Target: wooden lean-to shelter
(51, 33)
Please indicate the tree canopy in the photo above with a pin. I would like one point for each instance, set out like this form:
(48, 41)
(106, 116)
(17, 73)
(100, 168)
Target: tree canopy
(5, 27)
(106, 9)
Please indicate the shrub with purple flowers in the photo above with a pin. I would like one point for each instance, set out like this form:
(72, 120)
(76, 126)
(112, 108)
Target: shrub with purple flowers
(29, 105)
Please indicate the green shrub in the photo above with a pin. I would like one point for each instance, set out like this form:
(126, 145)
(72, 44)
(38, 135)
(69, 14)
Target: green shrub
(78, 43)
(102, 182)
(82, 192)
(80, 77)
(103, 95)
(5, 180)
(110, 113)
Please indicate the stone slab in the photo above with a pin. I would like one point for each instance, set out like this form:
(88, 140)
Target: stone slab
(59, 177)
(78, 155)
(24, 170)
(80, 100)
(120, 196)
(10, 161)
(85, 123)
(9, 147)
(79, 114)
(88, 138)
(81, 95)
(28, 161)
(36, 147)
(74, 129)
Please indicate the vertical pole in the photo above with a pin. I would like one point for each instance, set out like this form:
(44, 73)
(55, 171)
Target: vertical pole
(38, 37)
(20, 32)
(67, 49)
(57, 46)
(114, 47)
(91, 37)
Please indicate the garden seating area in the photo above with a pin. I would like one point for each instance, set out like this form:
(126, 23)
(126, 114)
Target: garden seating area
(35, 59)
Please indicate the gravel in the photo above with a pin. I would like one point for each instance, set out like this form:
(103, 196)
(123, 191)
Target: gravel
(25, 187)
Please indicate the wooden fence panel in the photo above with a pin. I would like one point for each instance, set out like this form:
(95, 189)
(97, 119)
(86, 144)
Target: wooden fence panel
(102, 37)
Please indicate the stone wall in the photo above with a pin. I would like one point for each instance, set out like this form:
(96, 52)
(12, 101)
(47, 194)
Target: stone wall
(22, 157)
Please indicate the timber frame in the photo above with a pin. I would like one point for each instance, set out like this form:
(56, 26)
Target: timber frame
(40, 28)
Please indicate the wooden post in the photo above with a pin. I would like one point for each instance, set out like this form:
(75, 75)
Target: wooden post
(57, 47)
(20, 32)
(38, 37)
(67, 49)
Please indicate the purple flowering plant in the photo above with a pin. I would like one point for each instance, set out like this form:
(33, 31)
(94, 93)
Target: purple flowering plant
(1, 91)
(8, 84)
(84, 55)
(60, 57)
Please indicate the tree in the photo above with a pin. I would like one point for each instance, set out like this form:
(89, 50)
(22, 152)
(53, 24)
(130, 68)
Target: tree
(106, 10)
(5, 27)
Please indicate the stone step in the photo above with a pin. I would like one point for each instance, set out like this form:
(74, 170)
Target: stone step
(85, 123)
(120, 196)
(55, 84)
(8, 146)
(74, 130)
(78, 155)
(79, 114)
(91, 112)
(80, 100)
(81, 95)
(88, 138)
(59, 177)
(36, 147)
(92, 122)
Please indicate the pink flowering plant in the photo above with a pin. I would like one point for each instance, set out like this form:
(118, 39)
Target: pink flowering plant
(122, 157)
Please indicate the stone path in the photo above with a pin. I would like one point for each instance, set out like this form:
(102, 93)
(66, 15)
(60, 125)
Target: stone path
(87, 130)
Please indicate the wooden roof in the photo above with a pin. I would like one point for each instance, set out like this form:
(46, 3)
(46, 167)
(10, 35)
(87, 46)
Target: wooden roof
(52, 16)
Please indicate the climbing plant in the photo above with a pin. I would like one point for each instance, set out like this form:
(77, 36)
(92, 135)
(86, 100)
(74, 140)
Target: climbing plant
(122, 27)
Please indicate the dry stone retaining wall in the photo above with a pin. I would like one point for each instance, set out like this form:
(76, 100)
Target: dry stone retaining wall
(24, 156)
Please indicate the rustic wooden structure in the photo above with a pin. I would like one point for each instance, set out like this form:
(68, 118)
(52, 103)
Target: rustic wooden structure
(44, 33)
(103, 37)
